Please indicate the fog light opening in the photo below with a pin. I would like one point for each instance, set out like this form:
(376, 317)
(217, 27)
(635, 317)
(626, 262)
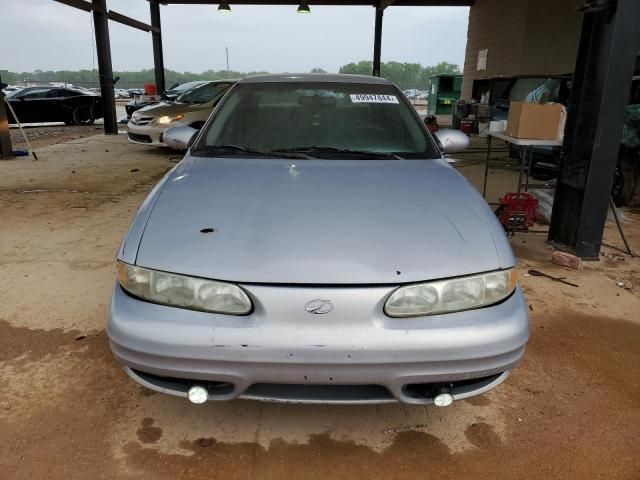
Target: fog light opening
(442, 397)
(198, 394)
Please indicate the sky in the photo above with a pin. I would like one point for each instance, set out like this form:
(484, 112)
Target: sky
(46, 35)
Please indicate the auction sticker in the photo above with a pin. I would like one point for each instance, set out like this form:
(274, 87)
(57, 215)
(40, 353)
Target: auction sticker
(373, 98)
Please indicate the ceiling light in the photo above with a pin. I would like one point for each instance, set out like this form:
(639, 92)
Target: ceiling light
(304, 8)
(223, 6)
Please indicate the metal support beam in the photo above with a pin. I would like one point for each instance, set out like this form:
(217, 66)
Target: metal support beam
(129, 22)
(377, 42)
(115, 16)
(608, 47)
(103, 49)
(156, 36)
(79, 4)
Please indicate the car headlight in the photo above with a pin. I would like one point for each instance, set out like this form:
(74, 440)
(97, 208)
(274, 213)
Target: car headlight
(183, 291)
(453, 295)
(167, 119)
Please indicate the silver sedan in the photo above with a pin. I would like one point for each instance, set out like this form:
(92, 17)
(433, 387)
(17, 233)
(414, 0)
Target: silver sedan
(314, 245)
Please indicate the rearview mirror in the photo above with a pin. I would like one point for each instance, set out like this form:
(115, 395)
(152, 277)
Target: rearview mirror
(452, 141)
(179, 138)
(316, 101)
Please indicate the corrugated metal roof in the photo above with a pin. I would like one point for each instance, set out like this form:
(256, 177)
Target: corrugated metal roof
(373, 3)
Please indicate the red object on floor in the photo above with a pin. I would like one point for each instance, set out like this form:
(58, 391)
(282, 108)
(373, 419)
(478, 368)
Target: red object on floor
(150, 89)
(466, 126)
(518, 211)
(566, 260)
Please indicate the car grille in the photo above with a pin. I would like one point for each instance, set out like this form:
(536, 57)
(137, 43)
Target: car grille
(140, 138)
(141, 120)
(271, 392)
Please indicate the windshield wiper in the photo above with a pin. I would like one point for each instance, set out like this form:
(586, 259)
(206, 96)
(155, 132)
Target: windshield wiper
(228, 147)
(348, 151)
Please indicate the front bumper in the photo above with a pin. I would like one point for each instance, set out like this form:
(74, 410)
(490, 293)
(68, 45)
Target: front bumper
(146, 134)
(354, 354)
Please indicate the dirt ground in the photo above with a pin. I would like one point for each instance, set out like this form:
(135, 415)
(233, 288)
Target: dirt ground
(51, 134)
(571, 410)
(42, 134)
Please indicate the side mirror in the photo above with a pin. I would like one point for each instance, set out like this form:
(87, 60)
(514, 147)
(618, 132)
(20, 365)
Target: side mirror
(179, 138)
(452, 141)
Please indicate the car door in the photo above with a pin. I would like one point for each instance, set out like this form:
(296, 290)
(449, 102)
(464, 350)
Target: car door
(30, 104)
(61, 107)
(53, 105)
(18, 106)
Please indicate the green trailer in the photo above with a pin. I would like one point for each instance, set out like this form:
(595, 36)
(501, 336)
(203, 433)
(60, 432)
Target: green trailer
(444, 91)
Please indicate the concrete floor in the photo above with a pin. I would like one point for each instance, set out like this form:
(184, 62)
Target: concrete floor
(570, 411)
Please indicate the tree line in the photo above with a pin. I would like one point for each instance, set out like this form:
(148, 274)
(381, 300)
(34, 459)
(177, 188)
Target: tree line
(405, 75)
(127, 79)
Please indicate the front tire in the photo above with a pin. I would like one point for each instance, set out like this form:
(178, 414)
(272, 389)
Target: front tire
(82, 115)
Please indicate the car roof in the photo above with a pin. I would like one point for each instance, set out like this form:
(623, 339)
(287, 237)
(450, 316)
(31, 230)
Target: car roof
(208, 82)
(44, 87)
(193, 82)
(316, 78)
(202, 83)
(226, 80)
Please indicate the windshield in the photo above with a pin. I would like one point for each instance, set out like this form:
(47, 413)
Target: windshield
(321, 120)
(185, 87)
(204, 93)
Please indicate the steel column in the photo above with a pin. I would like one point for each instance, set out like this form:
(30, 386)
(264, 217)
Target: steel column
(103, 49)
(608, 46)
(156, 35)
(377, 42)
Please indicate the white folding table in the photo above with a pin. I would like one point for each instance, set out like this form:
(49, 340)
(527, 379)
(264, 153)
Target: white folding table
(526, 153)
(526, 159)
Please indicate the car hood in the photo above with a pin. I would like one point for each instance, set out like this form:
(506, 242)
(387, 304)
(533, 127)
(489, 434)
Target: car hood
(320, 222)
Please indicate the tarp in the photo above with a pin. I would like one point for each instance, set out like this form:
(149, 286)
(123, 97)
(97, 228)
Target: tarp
(631, 128)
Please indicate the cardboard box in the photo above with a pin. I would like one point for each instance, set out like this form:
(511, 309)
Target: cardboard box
(534, 121)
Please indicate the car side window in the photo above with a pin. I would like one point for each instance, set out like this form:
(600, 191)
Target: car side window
(62, 92)
(206, 93)
(37, 93)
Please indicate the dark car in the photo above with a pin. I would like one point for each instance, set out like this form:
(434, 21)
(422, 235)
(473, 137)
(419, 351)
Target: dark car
(54, 104)
(171, 95)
